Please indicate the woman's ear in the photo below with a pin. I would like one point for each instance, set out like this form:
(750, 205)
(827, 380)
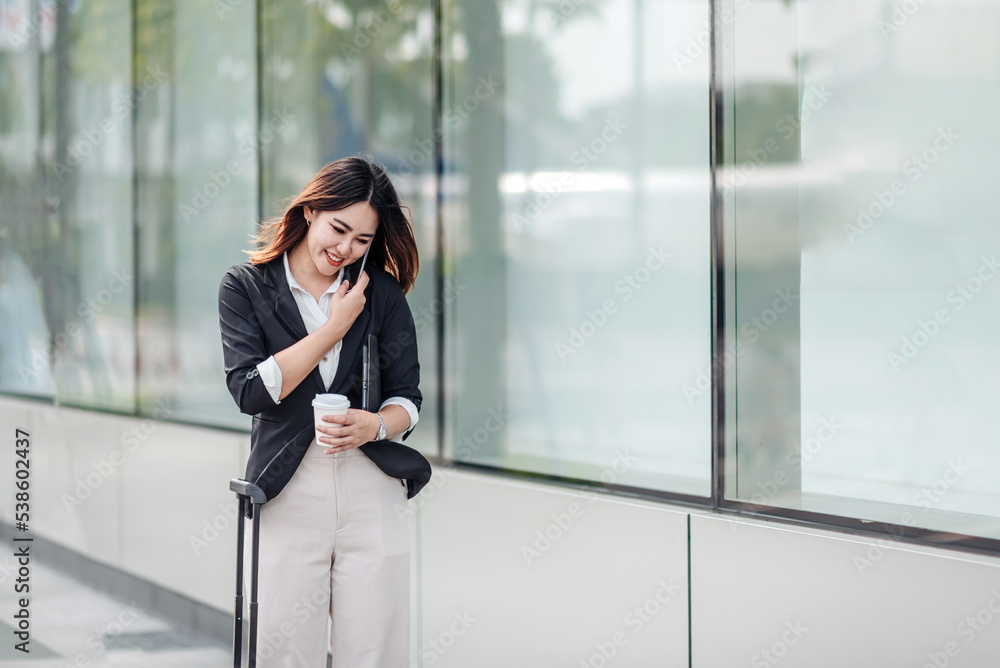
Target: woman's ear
(307, 211)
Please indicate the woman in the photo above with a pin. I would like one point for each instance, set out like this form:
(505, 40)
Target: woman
(334, 534)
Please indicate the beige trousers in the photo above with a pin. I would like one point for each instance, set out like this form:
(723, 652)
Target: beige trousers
(334, 567)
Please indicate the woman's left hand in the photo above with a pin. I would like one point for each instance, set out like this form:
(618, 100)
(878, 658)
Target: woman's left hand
(344, 432)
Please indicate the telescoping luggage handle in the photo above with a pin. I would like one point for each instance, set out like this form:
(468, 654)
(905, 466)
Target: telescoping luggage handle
(252, 496)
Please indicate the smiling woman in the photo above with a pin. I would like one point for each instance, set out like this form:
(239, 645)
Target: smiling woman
(291, 329)
(343, 203)
(337, 239)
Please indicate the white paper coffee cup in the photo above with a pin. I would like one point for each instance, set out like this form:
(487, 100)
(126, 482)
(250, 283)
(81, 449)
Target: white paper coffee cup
(328, 404)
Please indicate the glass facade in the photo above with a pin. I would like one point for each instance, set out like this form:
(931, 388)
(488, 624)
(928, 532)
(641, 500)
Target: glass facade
(744, 264)
(197, 141)
(576, 218)
(862, 234)
(66, 183)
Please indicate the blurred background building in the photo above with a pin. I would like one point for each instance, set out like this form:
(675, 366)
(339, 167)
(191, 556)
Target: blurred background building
(704, 311)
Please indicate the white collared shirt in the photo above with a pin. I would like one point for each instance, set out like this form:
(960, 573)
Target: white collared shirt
(314, 315)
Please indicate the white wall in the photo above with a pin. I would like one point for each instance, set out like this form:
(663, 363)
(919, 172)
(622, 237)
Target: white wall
(491, 592)
(557, 600)
(818, 599)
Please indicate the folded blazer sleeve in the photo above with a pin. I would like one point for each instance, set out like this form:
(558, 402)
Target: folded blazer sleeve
(400, 368)
(242, 346)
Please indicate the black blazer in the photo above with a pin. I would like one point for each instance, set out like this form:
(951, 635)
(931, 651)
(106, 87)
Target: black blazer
(258, 317)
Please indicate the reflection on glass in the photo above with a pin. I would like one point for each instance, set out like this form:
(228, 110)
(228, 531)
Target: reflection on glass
(882, 234)
(197, 147)
(25, 365)
(66, 281)
(576, 214)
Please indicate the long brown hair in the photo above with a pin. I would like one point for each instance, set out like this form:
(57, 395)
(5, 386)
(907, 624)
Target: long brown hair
(337, 186)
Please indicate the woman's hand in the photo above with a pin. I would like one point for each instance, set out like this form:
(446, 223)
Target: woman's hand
(348, 431)
(346, 307)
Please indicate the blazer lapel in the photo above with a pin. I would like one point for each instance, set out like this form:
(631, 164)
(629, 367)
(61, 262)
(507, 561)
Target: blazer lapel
(286, 311)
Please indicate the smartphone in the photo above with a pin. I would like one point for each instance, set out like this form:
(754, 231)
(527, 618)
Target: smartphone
(353, 272)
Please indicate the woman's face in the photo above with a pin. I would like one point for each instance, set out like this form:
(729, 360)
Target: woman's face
(335, 239)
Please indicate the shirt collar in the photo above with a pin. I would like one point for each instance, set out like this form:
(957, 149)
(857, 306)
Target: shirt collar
(292, 283)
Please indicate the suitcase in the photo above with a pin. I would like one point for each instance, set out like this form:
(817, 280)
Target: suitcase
(250, 496)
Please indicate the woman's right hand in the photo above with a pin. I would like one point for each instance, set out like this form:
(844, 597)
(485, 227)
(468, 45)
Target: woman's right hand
(345, 307)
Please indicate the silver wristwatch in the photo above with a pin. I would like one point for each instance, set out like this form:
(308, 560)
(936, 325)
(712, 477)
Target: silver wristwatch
(381, 428)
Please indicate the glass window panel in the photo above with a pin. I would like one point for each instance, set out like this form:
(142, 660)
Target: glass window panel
(871, 394)
(577, 219)
(87, 274)
(25, 365)
(197, 150)
(357, 76)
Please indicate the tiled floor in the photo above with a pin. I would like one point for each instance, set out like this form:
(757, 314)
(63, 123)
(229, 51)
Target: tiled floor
(75, 626)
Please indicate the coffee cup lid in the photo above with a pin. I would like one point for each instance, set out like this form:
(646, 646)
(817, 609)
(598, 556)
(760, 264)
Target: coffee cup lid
(331, 401)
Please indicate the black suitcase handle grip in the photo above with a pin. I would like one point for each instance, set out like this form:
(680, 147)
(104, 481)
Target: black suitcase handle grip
(248, 489)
